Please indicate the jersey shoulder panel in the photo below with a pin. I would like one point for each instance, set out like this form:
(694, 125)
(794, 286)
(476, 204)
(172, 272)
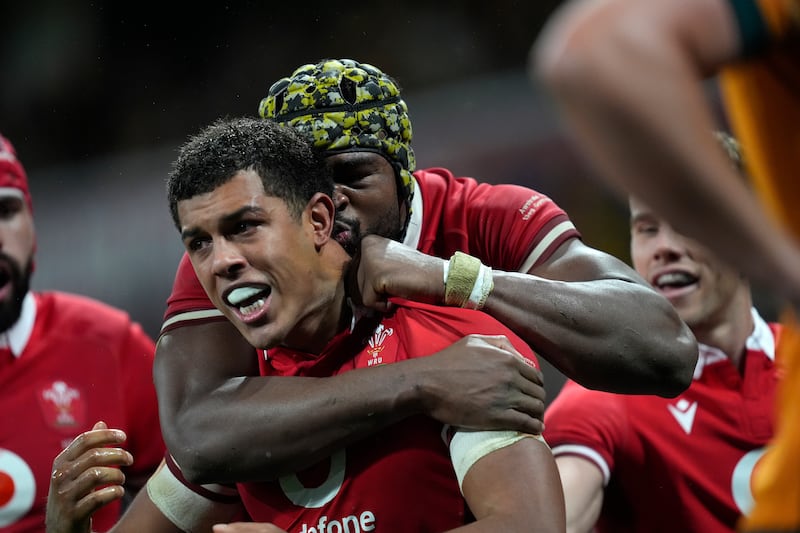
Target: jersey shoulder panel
(188, 303)
(503, 224)
(66, 315)
(596, 420)
(427, 328)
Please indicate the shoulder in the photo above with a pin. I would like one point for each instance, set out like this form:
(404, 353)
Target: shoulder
(593, 424)
(441, 189)
(436, 181)
(83, 315)
(455, 319)
(437, 326)
(439, 179)
(433, 177)
(573, 393)
(577, 405)
(67, 304)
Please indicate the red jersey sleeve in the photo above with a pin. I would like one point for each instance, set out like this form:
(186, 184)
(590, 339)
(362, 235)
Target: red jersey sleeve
(587, 423)
(188, 302)
(516, 225)
(508, 227)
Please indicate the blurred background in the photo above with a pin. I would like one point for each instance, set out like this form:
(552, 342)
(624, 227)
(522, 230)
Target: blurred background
(97, 96)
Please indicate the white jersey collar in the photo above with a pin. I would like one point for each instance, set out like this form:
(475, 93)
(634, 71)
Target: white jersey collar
(414, 228)
(761, 339)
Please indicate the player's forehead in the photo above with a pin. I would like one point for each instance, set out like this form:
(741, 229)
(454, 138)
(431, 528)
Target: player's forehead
(240, 196)
(358, 160)
(639, 211)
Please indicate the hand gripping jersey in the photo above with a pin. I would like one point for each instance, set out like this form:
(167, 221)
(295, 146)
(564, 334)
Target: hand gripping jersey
(676, 464)
(762, 100)
(79, 361)
(507, 227)
(398, 480)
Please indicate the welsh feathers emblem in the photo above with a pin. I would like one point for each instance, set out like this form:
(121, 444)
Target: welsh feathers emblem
(62, 405)
(376, 345)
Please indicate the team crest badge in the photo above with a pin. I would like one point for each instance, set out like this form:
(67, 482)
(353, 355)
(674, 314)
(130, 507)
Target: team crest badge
(63, 406)
(376, 344)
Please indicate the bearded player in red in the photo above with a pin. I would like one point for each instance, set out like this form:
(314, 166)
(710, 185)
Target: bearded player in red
(66, 361)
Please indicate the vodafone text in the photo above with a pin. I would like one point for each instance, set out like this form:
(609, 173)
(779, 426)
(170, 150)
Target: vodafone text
(348, 524)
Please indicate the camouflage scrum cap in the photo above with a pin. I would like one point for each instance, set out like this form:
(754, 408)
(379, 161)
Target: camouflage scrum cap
(344, 105)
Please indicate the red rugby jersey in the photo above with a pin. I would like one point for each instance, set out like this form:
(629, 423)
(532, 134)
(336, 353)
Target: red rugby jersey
(676, 464)
(83, 362)
(399, 479)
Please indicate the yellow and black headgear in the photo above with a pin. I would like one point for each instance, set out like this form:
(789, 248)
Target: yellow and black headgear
(343, 105)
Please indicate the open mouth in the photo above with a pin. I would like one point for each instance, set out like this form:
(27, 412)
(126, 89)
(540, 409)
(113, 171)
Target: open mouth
(248, 300)
(671, 281)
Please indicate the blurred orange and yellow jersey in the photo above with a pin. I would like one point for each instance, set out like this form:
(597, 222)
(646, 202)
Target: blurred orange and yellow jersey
(762, 99)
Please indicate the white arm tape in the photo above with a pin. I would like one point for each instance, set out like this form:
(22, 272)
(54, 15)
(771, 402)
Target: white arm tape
(185, 508)
(467, 446)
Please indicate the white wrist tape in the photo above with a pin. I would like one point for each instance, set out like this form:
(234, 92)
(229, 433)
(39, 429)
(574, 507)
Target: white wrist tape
(467, 446)
(480, 291)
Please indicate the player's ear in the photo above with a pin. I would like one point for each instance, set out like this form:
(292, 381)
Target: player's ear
(321, 212)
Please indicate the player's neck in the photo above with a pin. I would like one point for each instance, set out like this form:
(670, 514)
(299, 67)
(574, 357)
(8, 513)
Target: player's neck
(729, 335)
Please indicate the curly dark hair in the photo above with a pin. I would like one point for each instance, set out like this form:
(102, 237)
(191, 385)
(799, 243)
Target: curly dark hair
(286, 163)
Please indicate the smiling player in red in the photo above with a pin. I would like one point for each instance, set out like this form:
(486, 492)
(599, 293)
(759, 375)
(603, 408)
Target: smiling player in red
(644, 463)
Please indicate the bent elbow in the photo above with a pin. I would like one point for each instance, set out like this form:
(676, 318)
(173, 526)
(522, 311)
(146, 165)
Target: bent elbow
(682, 363)
(191, 465)
(202, 456)
(201, 466)
(192, 456)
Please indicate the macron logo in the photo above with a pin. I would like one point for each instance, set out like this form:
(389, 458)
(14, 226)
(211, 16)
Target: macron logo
(684, 413)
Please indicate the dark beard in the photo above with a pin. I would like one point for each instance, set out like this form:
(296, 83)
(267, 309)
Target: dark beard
(11, 308)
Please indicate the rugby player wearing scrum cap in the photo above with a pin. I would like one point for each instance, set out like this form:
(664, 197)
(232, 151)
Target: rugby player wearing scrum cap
(421, 234)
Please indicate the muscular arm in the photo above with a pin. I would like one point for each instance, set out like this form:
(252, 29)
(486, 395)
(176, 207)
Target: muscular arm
(622, 71)
(586, 312)
(515, 488)
(583, 492)
(223, 427)
(597, 321)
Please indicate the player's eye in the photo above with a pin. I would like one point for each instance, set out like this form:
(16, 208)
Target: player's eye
(9, 207)
(196, 244)
(244, 226)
